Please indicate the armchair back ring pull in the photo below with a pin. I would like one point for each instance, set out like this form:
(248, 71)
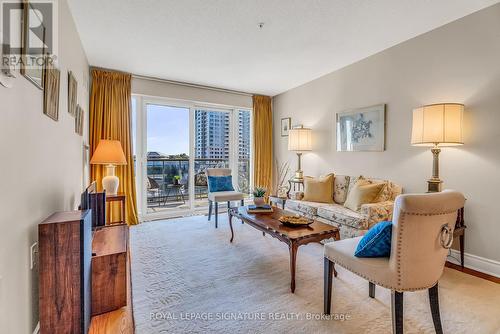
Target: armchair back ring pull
(446, 236)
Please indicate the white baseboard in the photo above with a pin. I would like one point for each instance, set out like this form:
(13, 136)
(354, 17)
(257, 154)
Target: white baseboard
(487, 266)
(37, 328)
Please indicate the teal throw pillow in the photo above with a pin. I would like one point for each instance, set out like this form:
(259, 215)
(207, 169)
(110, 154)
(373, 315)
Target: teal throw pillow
(220, 183)
(376, 242)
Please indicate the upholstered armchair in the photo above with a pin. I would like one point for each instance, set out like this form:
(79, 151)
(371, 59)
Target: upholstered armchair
(422, 232)
(220, 196)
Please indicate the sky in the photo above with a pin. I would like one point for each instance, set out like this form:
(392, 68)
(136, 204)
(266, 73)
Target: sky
(168, 129)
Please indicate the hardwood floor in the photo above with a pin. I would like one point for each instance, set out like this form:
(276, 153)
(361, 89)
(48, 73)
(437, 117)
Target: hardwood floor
(120, 321)
(473, 272)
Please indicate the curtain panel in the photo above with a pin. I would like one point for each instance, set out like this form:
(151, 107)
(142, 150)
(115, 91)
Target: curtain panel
(263, 142)
(110, 118)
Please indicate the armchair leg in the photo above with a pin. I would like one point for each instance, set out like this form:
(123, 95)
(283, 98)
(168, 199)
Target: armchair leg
(216, 214)
(371, 288)
(210, 205)
(434, 301)
(242, 203)
(397, 312)
(327, 281)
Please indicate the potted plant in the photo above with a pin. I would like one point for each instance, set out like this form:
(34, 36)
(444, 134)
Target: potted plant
(176, 179)
(258, 196)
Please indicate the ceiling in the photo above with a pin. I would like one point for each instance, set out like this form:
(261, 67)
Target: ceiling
(219, 43)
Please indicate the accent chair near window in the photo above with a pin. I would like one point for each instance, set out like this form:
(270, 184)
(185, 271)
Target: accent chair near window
(218, 179)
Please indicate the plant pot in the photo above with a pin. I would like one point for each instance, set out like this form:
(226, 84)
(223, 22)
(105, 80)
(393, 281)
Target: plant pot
(176, 182)
(259, 201)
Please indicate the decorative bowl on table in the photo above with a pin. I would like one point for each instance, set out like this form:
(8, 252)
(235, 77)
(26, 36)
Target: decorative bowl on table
(295, 221)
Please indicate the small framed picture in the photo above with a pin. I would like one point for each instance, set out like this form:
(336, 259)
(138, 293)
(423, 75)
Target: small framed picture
(286, 124)
(79, 120)
(72, 94)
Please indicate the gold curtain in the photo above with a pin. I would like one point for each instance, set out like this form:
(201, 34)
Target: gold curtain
(110, 103)
(263, 142)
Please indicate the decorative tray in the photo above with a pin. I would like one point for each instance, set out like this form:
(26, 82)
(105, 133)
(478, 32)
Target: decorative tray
(295, 221)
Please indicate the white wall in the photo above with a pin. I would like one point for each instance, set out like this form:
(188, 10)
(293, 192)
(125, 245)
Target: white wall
(459, 62)
(189, 93)
(41, 171)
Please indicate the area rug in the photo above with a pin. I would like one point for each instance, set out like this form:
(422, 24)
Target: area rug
(188, 278)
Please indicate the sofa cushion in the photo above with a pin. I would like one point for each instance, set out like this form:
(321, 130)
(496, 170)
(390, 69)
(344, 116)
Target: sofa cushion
(308, 208)
(346, 232)
(340, 185)
(389, 193)
(362, 193)
(319, 189)
(343, 215)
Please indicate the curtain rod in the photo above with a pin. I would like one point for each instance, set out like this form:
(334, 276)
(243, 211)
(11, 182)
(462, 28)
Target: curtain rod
(187, 84)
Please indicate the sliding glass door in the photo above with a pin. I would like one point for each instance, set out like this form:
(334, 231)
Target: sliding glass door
(176, 143)
(167, 153)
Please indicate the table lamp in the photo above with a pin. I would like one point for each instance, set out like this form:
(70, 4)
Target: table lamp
(437, 125)
(299, 140)
(109, 153)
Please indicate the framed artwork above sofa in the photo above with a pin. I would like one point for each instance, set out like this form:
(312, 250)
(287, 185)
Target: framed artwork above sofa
(361, 129)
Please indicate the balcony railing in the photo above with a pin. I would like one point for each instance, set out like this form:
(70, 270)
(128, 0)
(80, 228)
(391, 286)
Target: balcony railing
(168, 179)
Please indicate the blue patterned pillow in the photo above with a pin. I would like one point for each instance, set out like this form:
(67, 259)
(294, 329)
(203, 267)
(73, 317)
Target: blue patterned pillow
(220, 183)
(376, 242)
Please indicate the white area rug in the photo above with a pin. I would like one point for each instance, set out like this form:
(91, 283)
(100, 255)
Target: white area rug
(188, 278)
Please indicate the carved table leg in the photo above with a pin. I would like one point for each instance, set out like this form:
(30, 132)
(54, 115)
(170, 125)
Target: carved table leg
(293, 260)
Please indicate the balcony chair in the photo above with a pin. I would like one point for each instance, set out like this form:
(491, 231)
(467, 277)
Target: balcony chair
(422, 233)
(220, 196)
(154, 191)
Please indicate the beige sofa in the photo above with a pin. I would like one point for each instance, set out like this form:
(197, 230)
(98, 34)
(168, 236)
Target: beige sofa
(351, 223)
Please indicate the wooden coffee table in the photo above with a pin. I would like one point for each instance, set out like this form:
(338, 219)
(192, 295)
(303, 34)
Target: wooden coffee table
(292, 236)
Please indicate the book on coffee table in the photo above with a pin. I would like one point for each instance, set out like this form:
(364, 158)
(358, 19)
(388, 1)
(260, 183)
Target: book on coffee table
(266, 208)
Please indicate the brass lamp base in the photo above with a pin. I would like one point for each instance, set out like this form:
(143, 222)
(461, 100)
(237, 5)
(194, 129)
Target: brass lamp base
(434, 184)
(299, 175)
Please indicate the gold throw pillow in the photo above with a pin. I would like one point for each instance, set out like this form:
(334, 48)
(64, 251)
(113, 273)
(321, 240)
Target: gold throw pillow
(363, 192)
(318, 189)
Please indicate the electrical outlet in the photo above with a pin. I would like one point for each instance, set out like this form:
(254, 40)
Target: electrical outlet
(33, 255)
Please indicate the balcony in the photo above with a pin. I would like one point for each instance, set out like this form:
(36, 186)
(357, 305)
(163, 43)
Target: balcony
(165, 192)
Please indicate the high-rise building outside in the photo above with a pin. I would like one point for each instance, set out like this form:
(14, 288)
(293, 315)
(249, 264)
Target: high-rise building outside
(212, 134)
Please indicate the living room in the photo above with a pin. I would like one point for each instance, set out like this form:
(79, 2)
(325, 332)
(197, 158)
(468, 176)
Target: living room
(175, 151)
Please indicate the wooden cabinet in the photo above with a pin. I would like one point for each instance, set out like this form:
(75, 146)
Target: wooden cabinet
(109, 269)
(65, 252)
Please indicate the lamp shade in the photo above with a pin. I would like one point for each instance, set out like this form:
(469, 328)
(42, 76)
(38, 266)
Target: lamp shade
(438, 124)
(108, 152)
(299, 139)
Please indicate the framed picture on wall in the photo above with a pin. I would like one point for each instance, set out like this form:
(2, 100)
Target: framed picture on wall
(72, 94)
(361, 129)
(286, 123)
(51, 92)
(79, 120)
(33, 59)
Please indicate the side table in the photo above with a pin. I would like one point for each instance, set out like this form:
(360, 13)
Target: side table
(120, 197)
(277, 201)
(460, 233)
(297, 184)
